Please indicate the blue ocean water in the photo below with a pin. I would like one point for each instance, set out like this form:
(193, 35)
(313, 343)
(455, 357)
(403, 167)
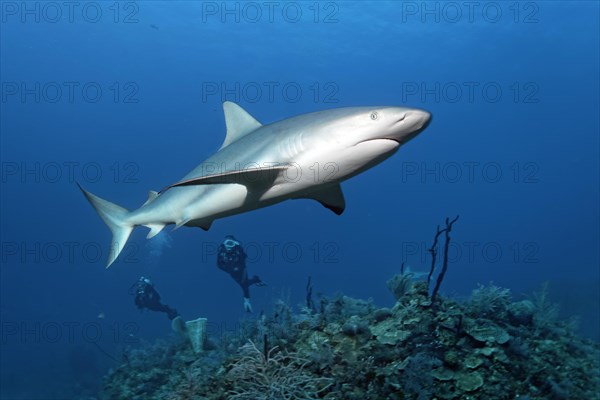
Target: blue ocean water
(125, 97)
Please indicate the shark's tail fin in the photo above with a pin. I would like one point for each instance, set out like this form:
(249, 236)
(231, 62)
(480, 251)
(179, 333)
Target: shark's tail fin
(114, 216)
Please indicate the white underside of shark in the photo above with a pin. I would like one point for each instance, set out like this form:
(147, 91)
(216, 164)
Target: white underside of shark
(307, 156)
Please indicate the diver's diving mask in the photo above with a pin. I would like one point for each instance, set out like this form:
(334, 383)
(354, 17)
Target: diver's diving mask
(230, 244)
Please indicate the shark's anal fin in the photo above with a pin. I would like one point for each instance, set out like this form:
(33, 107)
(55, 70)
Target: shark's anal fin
(246, 177)
(238, 122)
(331, 198)
(154, 229)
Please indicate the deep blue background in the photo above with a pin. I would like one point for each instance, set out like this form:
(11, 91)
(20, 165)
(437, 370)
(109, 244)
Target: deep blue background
(541, 212)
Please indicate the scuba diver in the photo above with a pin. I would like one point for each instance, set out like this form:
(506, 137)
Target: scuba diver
(146, 296)
(231, 258)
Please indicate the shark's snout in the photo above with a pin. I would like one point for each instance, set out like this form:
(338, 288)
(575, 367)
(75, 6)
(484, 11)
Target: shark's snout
(410, 124)
(421, 119)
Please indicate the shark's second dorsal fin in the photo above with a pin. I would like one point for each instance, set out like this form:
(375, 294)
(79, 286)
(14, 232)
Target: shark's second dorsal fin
(238, 122)
(151, 196)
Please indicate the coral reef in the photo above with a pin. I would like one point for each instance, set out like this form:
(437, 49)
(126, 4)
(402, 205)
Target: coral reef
(488, 347)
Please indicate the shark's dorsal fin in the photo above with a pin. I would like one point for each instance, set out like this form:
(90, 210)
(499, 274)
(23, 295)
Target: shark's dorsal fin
(331, 198)
(238, 122)
(151, 196)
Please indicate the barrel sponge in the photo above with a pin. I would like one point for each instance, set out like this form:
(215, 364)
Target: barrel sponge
(196, 330)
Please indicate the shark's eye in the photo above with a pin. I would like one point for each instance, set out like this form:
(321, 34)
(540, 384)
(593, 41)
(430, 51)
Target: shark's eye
(374, 116)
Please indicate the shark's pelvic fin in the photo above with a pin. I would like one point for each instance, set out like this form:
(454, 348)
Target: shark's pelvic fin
(181, 222)
(247, 177)
(154, 230)
(331, 198)
(204, 224)
(115, 217)
(238, 122)
(151, 196)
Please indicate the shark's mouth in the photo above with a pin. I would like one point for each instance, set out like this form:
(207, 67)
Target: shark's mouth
(383, 143)
(397, 141)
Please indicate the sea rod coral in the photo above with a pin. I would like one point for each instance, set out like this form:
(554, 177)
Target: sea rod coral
(273, 374)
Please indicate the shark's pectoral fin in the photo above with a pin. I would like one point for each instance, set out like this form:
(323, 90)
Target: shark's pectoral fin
(248, 177)
(331, 198)
(238, 122)
(154, 229)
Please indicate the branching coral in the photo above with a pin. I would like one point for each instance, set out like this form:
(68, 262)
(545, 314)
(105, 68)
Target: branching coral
(546, 312)
(273, 374)
(400, 285)
(489, 300)
(433, 251)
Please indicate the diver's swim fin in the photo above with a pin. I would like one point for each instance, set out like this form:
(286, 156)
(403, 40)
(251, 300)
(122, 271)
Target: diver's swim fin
(178, 325)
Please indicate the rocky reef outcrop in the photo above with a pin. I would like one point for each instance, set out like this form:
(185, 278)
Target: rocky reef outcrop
(487, 347)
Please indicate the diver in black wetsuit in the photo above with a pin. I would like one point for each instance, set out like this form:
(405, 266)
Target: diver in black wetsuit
(231, 258)
(146, 296)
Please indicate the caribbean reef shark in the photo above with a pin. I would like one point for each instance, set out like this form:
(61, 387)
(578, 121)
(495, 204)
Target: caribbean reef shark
(303, 157)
